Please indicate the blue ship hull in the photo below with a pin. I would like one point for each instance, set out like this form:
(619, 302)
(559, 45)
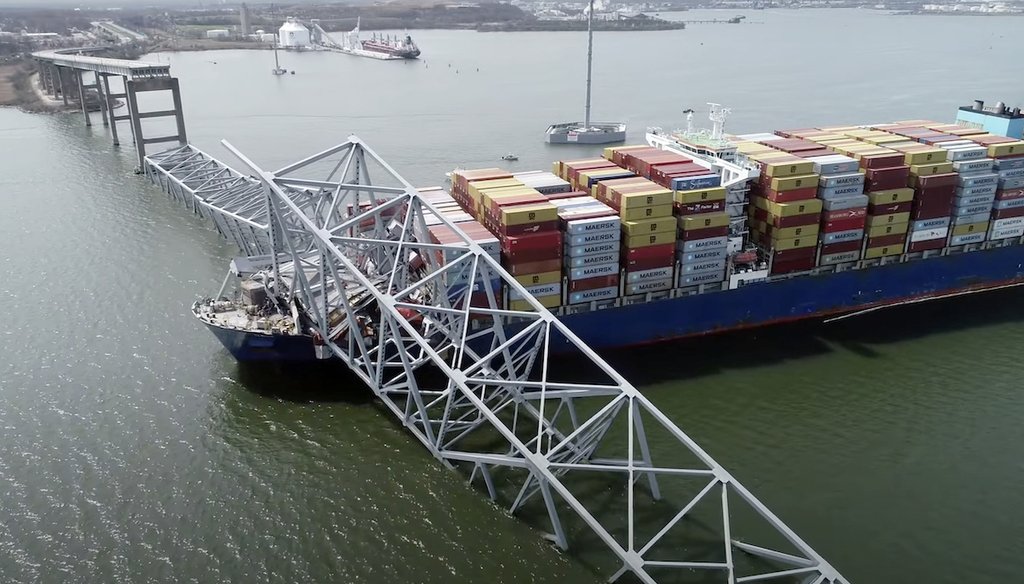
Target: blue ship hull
(760, 304)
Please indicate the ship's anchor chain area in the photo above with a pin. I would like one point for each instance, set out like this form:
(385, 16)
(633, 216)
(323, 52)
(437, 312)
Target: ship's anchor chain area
(565, 442)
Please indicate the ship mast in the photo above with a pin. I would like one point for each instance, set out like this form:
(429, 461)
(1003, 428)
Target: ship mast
(590, 60)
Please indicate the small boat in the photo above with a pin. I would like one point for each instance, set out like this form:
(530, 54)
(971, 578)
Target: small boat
(510, 157)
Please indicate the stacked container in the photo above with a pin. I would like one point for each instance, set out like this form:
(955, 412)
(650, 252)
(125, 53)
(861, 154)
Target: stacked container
(975, 192)
(1008, 207)
(786, 212)
(841, 189)
(591, 233)
(934, 184)
(648, 235)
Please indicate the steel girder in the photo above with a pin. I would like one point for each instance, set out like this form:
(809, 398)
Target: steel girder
(473, 381)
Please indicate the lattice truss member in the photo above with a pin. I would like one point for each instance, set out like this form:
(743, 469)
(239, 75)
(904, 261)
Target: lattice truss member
(563, 440)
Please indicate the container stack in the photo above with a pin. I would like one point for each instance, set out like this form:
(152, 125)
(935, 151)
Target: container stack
(591, 232)
(934, 184)
(1008, 206)
(648, 234)
(786, 212)
(845, 207)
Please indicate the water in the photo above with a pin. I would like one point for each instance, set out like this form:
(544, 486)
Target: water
(134, 449)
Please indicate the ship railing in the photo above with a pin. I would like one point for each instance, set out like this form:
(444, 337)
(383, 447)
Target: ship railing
(532, 430)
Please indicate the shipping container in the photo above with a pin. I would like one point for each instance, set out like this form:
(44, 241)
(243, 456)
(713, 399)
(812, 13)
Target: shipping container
(926, 245)
(886, 229)
(647, 226)
(704, 243)
(841, 247)
(699, 208)
(845, 203)
(966, 219)
(968, 228)
(539, 291)
(649, 287)
(593, 295)
(593, 283)
(649, 239)
(591, 259)
(839, 258)
(875, 220)
(967, 238)
(895, 239)
(700, 196)
(595, 271)
(882, 251)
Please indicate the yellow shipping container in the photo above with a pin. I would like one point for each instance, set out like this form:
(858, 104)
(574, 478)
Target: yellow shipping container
(886, 229)
(650, 198)
(649, 239)
(651, 212)
(522, 214)
(874, 220)
(704, 220)
(794, 243)
(891, 196)
(1007, 149)
(752, 148)
(550, 301)
(930, 169)
(770, 156)
(970, 228)
(645, 226)
(788, 167)
(799, 231)
(636, 180)
(700, 196)
(885, 250)
(481, 185)
(540, 278)
(556, 169)
(794, 208)
(858, 132)
(791, 183)
(926, 156)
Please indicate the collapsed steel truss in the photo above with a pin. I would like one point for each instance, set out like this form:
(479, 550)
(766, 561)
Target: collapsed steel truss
(475, 382)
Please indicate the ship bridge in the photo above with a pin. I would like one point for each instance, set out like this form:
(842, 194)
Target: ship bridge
(477, 383)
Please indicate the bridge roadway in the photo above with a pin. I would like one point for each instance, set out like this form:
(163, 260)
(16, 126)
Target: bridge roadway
(61, 74)
(330, 234)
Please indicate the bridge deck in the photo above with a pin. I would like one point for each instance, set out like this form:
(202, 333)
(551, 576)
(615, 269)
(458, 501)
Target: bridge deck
(74, 59)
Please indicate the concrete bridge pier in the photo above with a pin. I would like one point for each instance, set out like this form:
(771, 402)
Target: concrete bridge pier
(135, 86)
(81, 98)
(60, 84)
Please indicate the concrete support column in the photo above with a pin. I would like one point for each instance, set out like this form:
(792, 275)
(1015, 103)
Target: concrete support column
(60, 80)
(110, 109)
(102, 97)
(81, 98)
(179, 114)
(133, 109)
(136, 121)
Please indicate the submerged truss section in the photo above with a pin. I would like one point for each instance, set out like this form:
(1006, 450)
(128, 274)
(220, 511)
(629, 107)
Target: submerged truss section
(480, 386)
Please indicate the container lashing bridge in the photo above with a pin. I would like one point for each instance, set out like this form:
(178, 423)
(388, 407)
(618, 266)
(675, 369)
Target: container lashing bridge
(478, 384)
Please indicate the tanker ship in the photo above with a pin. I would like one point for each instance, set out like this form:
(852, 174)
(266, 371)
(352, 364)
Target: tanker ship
(699, 231)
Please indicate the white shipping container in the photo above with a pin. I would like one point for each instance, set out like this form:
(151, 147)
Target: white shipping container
(708, 243)
(849, 179)
(702, 278)
(649, 275)
(594, 225)
(967, 238)
(648, 287)
(592, 248)
(1008, 223)
(593, 271)
(839, 258)
(591, 260)
(847, 202)
(966, 166)
(599, 237)
(967, 153)
(538, 291)
(929, 234)
(834, 164)
(592, 295)
(1007, 233)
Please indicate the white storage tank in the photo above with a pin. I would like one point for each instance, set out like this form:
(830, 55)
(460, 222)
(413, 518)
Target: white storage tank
(217, 33)
(293, 35)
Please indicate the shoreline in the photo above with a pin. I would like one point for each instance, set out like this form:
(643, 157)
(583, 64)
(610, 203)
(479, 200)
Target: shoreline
(20, 88)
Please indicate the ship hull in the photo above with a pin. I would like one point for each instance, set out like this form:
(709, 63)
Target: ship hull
(761, 304)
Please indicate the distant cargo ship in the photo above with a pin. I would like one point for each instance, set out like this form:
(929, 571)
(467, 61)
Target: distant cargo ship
(700, 231)
(378, 47)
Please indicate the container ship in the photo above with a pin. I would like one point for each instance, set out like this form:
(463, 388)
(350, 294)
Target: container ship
(699, 231)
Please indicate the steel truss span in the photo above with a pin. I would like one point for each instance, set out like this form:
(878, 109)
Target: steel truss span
(579, 447)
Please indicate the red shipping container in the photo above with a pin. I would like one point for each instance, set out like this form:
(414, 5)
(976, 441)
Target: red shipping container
(593, 283)
(789, 196)
(795, 220)
(841, 247)
(989, 140)
(665, 250)
(1007, 213)
(843, 224)
(648, 264)
(926, 245)
(887, 240)
(931, 210)
(935, 192)
(843, 214)
(889, 208)
(566, 195)
(528, 228)
(883, 179)
(794, 254)
(882, 161)
(695, 234)
(522, 268)
(1003, 195)
(548, 241)
(698, 208)
(758, 213)
(799, 265)
(619, 157)
(495, 205)
(935, 180)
